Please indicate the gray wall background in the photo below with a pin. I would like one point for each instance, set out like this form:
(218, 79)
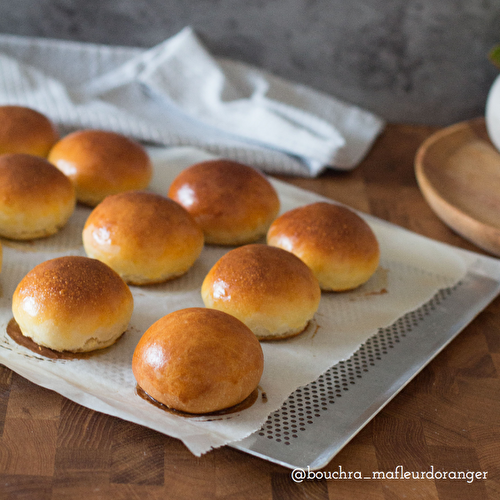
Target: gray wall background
(410, 61)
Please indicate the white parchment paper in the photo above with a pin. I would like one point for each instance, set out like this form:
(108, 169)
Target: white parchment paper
(412, 270)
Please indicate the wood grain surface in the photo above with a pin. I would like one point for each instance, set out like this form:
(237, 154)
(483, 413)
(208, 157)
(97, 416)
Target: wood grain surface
(447, 418)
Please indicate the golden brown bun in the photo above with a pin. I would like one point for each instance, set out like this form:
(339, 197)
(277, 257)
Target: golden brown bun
(24, 130)
(100, 163)
(273, 292)
(337, 244)
(233, 203)
(146, 238)
(36, 199)
(72, 304)
(198, 360)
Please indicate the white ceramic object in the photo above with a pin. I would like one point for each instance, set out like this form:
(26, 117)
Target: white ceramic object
(492, 113)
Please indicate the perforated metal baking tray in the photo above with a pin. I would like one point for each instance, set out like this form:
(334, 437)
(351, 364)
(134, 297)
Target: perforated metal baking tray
(318, 420)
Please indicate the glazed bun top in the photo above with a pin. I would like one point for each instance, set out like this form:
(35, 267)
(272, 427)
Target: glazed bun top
(74, 285)
(198, 360)
(271, 290)
(36, 199)
(233, 203)
(335, 242)
(25, 130)
(72, 304)
(31, 181)
(100, 163)
(145, 237)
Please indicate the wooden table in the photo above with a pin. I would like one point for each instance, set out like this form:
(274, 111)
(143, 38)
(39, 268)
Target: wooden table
(448, 417)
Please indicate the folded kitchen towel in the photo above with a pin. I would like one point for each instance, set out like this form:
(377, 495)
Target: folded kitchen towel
(178, 94)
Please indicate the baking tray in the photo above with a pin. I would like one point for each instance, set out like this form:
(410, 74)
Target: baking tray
(318, 420)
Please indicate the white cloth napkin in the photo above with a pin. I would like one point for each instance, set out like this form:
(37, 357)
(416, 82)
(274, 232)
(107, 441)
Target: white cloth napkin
(178, 94)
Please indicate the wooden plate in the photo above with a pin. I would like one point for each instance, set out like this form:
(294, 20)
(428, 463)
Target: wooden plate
(458, 172)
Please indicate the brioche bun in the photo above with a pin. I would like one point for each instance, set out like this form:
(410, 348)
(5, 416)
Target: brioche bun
(233, 203)
(72, 304)
(337, 244)
(198, 360)
(270, 290)
(146, 238)
(24, 130)
(36, 199)
(100, 163)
